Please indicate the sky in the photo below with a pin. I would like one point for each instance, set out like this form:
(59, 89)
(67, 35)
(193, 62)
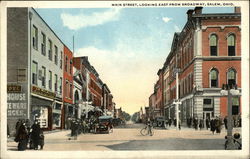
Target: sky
(127, 46)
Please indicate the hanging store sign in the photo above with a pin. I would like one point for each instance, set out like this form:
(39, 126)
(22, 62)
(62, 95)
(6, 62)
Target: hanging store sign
(14, 89)
(43, 92)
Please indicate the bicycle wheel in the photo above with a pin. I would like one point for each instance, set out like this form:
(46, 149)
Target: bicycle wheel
(144, 131)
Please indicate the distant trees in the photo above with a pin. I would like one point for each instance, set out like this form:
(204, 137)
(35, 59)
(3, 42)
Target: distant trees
(135, 117)
(126, 116)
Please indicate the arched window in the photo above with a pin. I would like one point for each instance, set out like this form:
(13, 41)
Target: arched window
(231, 45)
(213, 78)
(213, 45)
(231, 77)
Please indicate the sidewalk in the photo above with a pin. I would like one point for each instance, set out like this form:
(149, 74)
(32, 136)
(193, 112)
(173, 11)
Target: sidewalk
(11, 139)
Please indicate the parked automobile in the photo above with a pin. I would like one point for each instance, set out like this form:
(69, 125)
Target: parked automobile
(117, 121)
(104, 124)
(160, 121)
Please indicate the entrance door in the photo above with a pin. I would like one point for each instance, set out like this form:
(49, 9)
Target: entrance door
(207, 114)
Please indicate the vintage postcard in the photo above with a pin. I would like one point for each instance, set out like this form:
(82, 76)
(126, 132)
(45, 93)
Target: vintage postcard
(125, 79)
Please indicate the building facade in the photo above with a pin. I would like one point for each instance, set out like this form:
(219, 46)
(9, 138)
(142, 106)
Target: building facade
(206, 54)
(40, 72)
(68, 86)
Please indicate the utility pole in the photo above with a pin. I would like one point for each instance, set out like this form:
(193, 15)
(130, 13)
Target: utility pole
(230, 91)
(177, 102)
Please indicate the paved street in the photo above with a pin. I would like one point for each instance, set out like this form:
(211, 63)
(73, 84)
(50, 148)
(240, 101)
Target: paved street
(129, 138)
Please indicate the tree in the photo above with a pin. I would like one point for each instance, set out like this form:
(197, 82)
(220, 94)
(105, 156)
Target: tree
(126, 116)
(135, 117)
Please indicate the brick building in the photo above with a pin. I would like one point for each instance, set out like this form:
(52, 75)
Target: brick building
(68, 107)
(207, 53)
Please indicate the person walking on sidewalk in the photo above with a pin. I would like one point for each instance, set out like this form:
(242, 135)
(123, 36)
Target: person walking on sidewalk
(212, 125)
(225, 122)
(207, 123)
(22, 137)
(35, 134)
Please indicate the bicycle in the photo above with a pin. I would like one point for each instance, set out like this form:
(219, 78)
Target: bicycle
(146, 131)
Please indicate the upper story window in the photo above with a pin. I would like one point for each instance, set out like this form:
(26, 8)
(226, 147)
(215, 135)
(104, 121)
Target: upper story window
(70, 66)
(55, 82)
(66, 64)
(56, 55)
(231, 77)
(43, 76)
(35, 37)
(34, 72)
(50, 50)
(213, 45)
(61, 60)
(50, 80)
(214, 78)
(60, 88)
(231, 45)
(43, 44)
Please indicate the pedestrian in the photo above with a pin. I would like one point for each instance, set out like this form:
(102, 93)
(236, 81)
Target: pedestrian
(22, 137)
(179, 125)
(84, 124)
(212, 125)
(175, 122)
(207, 123)
(196, 123)
(200, 123)
(225, 122)
(35, 134)
(170, 122)
(18, 124)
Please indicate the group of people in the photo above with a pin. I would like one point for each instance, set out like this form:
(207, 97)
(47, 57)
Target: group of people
(28, 135)
(78, 126)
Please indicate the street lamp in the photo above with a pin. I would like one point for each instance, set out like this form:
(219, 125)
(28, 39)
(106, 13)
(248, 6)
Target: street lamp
(230, 91)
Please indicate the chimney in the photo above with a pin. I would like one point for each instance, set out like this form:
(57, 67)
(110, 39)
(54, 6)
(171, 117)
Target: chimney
(189, 14)
(198, 10)
(236, 9)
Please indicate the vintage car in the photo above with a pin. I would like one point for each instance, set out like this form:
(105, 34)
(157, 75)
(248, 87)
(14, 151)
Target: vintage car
(104, 124)
(160, 121)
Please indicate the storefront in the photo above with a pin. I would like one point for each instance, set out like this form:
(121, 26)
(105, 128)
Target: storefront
(42, 102)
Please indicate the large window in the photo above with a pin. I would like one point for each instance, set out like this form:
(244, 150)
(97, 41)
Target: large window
(231, 77)
(213, 45)
(235, 106)
(231, 45)
(50, 50)
(34, 72)
(213, 78)
(56, 55)
(43, 44)
(35, 37)
(43, 76)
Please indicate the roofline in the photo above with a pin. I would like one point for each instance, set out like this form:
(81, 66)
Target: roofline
(49, 27)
